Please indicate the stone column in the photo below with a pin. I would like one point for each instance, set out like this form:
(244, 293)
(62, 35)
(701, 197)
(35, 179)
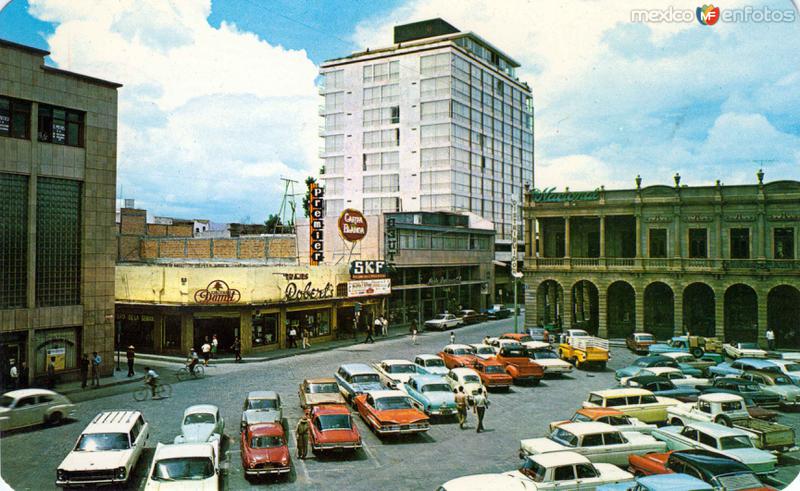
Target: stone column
(603, 236)
(281, 334)
(761, 306)
(531, 307)
(552, 293)
(567, 251)
(540, 227)
(246, 330)
(638, 236)
(676, 236)
(566, 314)
(719, 314)
(639, 309)
(187, 332)
(602, 326)
(763, 252)
(158, 332)
(677, 311)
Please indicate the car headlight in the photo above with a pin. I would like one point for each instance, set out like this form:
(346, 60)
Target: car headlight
(60, 474)
(121, 472)
(285, 461)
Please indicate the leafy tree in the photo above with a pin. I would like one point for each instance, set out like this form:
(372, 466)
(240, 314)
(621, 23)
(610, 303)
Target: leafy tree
(273, 222)
(307, 195)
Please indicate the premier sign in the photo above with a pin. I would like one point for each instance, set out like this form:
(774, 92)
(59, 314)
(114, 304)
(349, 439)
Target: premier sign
(316, 214)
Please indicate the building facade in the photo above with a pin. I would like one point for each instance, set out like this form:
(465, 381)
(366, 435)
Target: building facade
(58, 147)
(711, 260)
(436, 122)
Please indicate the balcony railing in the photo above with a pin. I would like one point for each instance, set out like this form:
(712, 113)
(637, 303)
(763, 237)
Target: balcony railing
(790, 266)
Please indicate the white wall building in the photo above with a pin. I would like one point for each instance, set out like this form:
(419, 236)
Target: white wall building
(436, 122)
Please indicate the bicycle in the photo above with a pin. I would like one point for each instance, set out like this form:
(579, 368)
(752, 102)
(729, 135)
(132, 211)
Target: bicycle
(162, 391)
(184, 373)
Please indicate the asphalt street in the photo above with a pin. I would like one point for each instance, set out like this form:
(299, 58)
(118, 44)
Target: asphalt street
(28, 459)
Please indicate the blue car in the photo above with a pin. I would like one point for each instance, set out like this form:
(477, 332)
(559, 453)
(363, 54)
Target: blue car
(741, 365)
(660, 482)
(357, 378)
(680, 344)
(662, 386)
(432, 394)
(655, 361)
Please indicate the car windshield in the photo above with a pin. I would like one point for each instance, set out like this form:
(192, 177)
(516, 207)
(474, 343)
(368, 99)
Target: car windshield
(734, 442)
(366, 378)
(436, 388)
(326, 388)
(792, 367)
(564, 437)
(677, 343)
(543, 355)
(401, 369)
(748, 388)
(645, 337)
(434, 362)
(440, 317)
(471, 379)
(199, 418)
(782, 381)
(184, 468)
(6, 401)
(578, 333)
(684, 359)
(533, 470)
(484, 350)
(266, 441)
(494, 369)
(461, 351)
(334, 422)
(748, 346)
(101, 442)
(618, 420)
(259, 404)
(514, 352)
(643, 362)
(388, 403)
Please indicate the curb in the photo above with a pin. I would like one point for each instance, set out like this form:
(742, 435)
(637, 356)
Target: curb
(109, 383)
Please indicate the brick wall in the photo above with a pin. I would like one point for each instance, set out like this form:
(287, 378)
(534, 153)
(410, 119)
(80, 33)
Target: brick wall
(282, 247)
(155, 229)
(181, 230)
(132, 221)
(172, 248)
(198, 248)
(225, 248)
(251, 248)
(149, 249)
(135, 248)
(129, 248)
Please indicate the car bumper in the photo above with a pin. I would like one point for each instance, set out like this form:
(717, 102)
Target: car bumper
(325, 447)
(69, 483)
(271, 471)
(526, 378)
(552, 370)
(401, 431)
(442, 412)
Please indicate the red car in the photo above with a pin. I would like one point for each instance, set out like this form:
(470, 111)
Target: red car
(457, 356)
(519, 366)
(391, 412)
(264, 450)
(332, 428)
(493, 374)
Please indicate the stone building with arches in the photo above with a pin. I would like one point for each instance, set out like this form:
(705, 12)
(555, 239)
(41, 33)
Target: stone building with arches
(710, 260)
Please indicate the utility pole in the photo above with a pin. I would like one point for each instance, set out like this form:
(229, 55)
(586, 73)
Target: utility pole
(515, 274)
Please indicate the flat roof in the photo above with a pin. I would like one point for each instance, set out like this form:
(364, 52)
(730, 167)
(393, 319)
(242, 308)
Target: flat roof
(21, 47)
(553, 459)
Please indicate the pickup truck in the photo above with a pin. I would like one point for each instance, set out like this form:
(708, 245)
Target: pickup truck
(519, 366)
(584, 351)
(730, 410)
(498, 311)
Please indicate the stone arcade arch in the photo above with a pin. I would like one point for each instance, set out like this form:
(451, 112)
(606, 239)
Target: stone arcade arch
(620, 309)
(549, 303)
(741, 314)
(699, 305)
(783, 315)
(659, 310)
(585, 306)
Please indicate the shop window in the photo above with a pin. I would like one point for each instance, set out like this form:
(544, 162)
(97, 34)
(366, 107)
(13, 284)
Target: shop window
(658, 243)
(13, 240)
(740, 243)
(783, 239)
(58, 242)
(265, 328)
(318, 322)
(135, 330)
(59, 345)
(172, 332)
(15, 118)
(60, 126)
(698, 243)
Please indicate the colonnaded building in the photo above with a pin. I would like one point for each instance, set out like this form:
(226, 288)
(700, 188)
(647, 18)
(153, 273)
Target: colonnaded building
(710, 260)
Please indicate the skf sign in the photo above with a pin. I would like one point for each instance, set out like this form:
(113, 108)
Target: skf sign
(316, 213)
(367, 269)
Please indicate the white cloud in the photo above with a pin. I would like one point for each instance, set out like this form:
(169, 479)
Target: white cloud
(209, 118)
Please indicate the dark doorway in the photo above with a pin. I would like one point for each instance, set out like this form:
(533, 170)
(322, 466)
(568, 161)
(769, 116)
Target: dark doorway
(226, 329)
(783, 315)
(659, 310)
(621, 309)
(741, 314)
(699, 310)
(549, 303)
(585, 307)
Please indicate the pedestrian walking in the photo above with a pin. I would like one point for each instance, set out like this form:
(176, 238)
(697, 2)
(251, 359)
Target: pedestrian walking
(301, 436)
(413, 331)
(237, 350)
(452, 337)
(385, 326)
(461, 406)
(304, 334)
(214, 346)
(370, 332)
(292, 337)
(13, 375)
(51, 373)
(96, 361)
(377, 326)
(206, 350)
(130, 355)
(770, 335)
(84, 366)
(479, 404)
(23, 375)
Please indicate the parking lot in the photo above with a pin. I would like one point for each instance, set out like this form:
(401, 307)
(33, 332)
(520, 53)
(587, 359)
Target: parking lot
(28, 459)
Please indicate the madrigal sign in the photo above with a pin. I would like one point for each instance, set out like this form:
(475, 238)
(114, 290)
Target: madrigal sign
(549, 195)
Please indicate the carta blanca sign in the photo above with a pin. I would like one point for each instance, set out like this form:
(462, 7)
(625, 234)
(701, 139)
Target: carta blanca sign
(549, 195)
(352, 225)
(367, 269)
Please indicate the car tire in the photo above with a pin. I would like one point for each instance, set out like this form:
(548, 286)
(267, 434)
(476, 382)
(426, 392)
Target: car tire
(536, 381)
(676, 422)
(724, 420)
(55, 418)
(697, 352)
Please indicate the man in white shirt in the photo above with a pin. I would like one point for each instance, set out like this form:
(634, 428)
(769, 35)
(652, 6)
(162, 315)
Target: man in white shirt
(14, 375)
(770, 335)
(206, 349)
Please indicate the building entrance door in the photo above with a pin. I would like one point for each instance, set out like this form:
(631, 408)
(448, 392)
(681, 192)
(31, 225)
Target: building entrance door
(225, 328)
(11, 351)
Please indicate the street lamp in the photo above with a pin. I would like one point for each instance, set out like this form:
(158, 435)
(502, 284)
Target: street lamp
(515, 274)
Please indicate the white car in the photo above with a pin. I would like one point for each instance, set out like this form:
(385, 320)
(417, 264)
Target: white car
(430, 364)
(487, 482)
(710, 408)
(790, 368)
(467, 378)
(498, 344)
(483, 351)
(29, 407)
(674, 375)
(744, 350)
(185, 467)
(547, 358)
(393, 373)
(443, 322)
(568, 471)
(609, 416)
(598, 442)
(261, 406)
(200, 424)
(107, 450)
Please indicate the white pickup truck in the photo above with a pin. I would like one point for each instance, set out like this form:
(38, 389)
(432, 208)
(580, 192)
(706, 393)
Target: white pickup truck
(730, 410)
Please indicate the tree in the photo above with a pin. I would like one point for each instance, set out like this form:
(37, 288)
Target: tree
(307, 196)
(273, 222)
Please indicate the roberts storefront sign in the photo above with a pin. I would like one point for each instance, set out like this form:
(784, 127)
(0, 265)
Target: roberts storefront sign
(367, 288)
(301, 287)
(352, 225)
(549, 195)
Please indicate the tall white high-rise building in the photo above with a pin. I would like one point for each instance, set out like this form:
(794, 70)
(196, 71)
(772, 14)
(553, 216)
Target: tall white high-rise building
(437, 121)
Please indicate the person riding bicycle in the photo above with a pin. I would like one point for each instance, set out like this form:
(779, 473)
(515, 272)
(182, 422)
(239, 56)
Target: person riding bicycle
(151, 379)
(192, 361)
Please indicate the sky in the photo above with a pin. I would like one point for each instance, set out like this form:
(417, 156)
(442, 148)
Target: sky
(219, 98)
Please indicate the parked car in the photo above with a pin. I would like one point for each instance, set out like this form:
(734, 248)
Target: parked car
(598, 442)
(457, 355)
(442, 322)
(744, 388)
(391, 412)
(661, 386)
(106, 451)
(471, 317)
(431, 394)
(493, 374)
(332, 428)
(738, 367)
(357, 378)
(467, 378)
(759, 412)
(547, 359)
(539, 334)
(639, 403)
(30, 407)
(675, 375)
(498, 311)
(790, 368)
(731, 442)
(261, 406)
(482, 351)
(430, 364)
(322, 390)
(184, 466)
(519, 366)
(264, 451)
(660, 482)
(498, 343)
(778, 384)
(520, 337)
(609, 416)
(638, 342)
(395, 373)
(565, 471)
(697, 346)
(730, 410)
(703, 363)
(716, 469)
(744, 350)
(486, 482)
(202, 423)
(654, 361)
